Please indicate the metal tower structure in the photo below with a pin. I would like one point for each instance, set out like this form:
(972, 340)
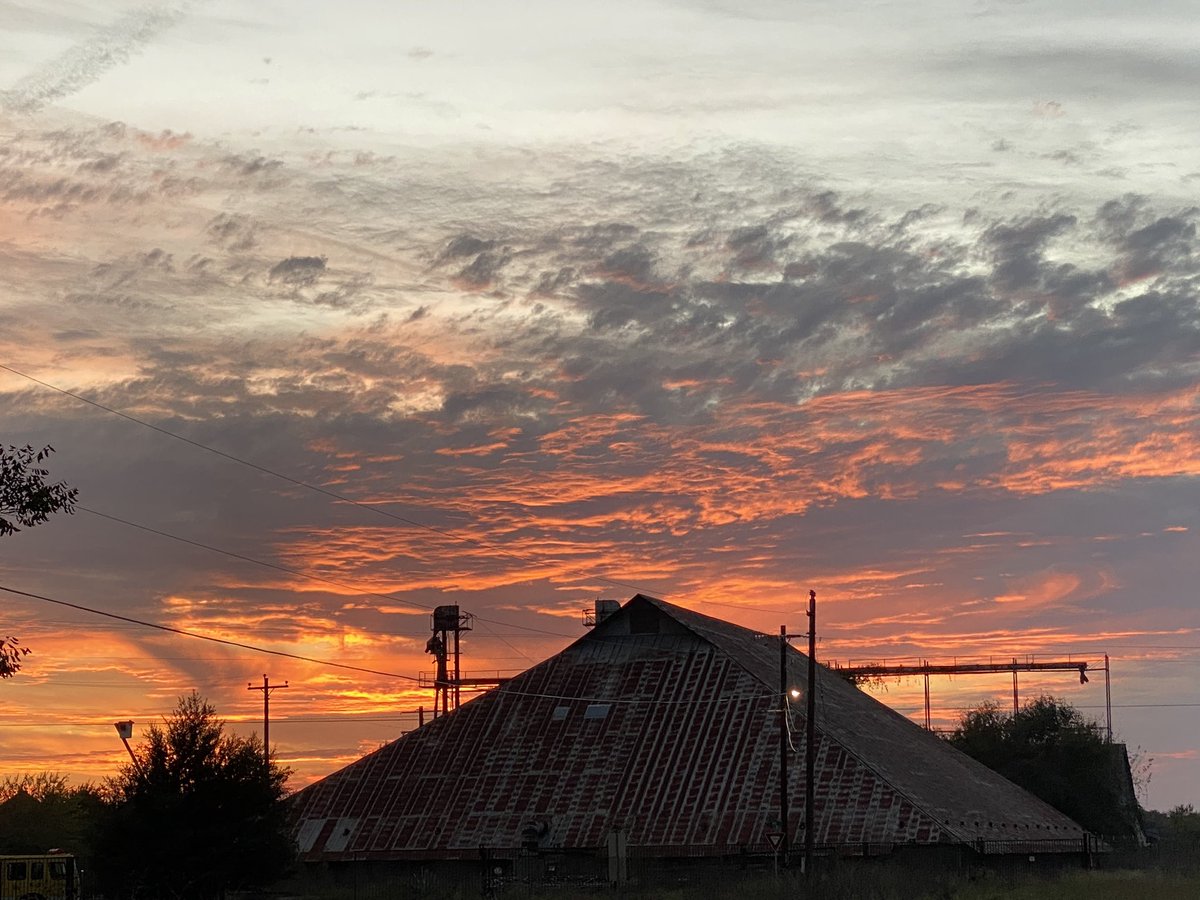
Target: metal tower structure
(446, 644)
(448, 624)
(925, 668)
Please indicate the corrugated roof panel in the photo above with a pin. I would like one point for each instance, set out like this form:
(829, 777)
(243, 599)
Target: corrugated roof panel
(343, 832)
(306, 833)
(685, 753)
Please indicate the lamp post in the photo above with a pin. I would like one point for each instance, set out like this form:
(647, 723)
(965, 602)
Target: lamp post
(125, 732)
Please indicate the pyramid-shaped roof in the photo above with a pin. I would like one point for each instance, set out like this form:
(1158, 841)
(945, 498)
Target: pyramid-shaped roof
(663, 722)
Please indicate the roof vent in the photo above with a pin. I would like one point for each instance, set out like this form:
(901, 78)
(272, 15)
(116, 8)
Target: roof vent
(604, 609)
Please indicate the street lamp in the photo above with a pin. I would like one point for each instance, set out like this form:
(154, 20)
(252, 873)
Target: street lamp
(125, 732)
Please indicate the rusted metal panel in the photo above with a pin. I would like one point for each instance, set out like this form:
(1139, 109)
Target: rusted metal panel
(685, 754)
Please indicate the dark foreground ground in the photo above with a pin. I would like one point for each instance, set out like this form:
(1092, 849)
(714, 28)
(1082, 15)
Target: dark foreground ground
(845, 885)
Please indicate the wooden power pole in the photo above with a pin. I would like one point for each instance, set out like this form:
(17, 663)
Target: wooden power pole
(810, 755)
(784, 823)
(266, 687)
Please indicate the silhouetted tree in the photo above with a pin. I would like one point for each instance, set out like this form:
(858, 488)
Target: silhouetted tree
(26, 499)
(1179, 825)
(11, 652)
(1050, 749)
(1184, 822)
(42, 811)
(201, 813)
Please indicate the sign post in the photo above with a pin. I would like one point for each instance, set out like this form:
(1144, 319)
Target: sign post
(775, 839)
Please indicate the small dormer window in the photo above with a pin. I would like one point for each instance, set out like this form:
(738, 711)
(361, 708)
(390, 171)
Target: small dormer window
(596, 711)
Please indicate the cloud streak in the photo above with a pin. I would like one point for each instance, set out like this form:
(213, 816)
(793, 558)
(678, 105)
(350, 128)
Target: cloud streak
(86, 62)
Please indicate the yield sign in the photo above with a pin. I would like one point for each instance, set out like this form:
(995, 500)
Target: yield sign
(774, 838)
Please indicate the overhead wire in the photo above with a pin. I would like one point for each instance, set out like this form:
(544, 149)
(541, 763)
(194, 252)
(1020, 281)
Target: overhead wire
(506, 643)
(318, 718)
(298, 573)
(413, 523)
(274, 720)
(628, 701)
(205, 637)
(407, 714)
(334, 495)
(40, 627)
(499, 691)
(341, 498)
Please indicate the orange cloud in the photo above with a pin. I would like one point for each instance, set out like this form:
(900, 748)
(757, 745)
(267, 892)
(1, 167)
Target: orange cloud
(1041, 590)
(164, 140)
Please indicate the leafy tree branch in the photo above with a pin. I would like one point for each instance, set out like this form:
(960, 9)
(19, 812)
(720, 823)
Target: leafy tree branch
(26, 499)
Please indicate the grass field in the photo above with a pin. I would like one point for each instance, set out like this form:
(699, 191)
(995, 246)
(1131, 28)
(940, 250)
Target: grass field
(1119, 885)
(1094, 885)
(1164, 873)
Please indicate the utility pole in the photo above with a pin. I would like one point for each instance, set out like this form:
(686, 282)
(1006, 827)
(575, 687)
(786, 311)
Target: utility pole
(810, 756)
(785, 841)
(266, 689)
(1107, 701)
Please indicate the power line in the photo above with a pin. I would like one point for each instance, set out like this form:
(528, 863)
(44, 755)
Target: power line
(1143, 706)
(326, 719)
(244, 558)
(1049, 649)
(502, 691)
(403, 715)
(334, 495)
(39, 627)
(487, 545)
(1079, 706)
(506, 643)
(149, 656)
(1151, 646)
(106, 724)
(206, 637)
(797, 610)
(299, 574)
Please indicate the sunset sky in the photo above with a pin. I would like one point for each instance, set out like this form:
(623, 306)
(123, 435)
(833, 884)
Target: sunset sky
(718, 301)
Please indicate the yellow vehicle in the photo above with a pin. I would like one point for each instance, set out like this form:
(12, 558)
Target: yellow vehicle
(50, 876)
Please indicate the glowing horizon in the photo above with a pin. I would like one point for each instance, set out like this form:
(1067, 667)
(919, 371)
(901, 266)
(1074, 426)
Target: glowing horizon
(905, 314)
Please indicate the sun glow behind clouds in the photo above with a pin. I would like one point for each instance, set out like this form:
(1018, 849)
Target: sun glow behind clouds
(957, 395)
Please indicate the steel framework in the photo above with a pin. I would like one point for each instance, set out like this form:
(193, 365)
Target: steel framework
(925, 668)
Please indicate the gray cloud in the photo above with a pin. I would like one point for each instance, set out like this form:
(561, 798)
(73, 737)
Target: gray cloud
(674, 316)
(298, 270)
(720, 371)
(1018, 248)
(484, 269)
(808, 280)
(466, 245)
(236, 233)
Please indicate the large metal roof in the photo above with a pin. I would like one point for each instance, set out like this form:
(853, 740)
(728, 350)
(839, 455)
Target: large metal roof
(663, 722)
